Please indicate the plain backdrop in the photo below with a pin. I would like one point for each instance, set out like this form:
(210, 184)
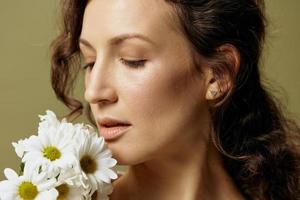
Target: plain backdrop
(28, 27)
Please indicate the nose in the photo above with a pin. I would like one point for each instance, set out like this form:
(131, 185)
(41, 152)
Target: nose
(99, 88)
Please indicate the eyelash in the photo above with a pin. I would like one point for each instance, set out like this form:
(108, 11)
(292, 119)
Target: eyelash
(130, 63)
(88, 65)
(133, 63)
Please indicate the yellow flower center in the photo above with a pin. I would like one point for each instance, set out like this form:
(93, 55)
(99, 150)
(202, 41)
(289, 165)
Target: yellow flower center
(63, 191)
(52, 153)
(27, 190)
(88, 165)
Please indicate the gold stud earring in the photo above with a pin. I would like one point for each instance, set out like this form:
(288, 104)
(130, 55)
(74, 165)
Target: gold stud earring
(214, 93)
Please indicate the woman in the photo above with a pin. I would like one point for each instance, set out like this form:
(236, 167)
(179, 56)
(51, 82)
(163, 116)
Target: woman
(194, 120)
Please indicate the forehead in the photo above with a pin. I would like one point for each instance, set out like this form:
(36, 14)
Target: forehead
(105, 19)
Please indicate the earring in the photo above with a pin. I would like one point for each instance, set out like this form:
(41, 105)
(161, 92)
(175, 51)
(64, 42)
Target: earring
(214, 93)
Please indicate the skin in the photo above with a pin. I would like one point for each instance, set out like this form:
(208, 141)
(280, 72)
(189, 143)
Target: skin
(168, 148)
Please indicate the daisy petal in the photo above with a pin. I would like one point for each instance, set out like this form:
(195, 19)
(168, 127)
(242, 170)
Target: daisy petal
(10, 174)
(107, 162)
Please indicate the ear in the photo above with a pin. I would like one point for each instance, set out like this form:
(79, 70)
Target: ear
(219, 85)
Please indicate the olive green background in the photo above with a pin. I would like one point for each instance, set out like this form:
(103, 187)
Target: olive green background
(27, 28)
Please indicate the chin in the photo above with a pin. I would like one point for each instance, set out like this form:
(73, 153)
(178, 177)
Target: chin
(122, 157)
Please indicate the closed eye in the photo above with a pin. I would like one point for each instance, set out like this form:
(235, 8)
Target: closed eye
(88, 65)
(130, 63)
(133, 63)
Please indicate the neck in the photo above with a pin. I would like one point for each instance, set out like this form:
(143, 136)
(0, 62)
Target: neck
(191, 175)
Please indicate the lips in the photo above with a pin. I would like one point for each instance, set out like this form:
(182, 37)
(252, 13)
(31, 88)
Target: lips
(111, 128)
(108, 122)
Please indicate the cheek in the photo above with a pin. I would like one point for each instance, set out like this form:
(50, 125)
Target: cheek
(160, 106)
(155, 92)
(158, 100)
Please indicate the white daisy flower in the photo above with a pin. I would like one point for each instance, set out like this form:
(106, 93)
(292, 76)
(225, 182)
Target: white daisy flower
(20, 147)
(103, 191)
(31, 185)
(69, 192)
(47, 121)
(70, 185)
(95, 160)
(63, 161)
(69, 176)
(53, 147)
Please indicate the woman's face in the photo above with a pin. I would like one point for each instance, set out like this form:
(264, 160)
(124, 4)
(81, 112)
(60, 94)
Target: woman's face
(163, 98)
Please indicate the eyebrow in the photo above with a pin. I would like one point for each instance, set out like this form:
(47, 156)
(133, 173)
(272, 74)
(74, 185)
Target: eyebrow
(119, 39)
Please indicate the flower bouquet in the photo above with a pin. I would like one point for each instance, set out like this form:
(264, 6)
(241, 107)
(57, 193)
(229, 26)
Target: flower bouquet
(62, 161)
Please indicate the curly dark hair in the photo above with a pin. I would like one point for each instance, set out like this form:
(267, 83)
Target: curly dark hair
(258, 142)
